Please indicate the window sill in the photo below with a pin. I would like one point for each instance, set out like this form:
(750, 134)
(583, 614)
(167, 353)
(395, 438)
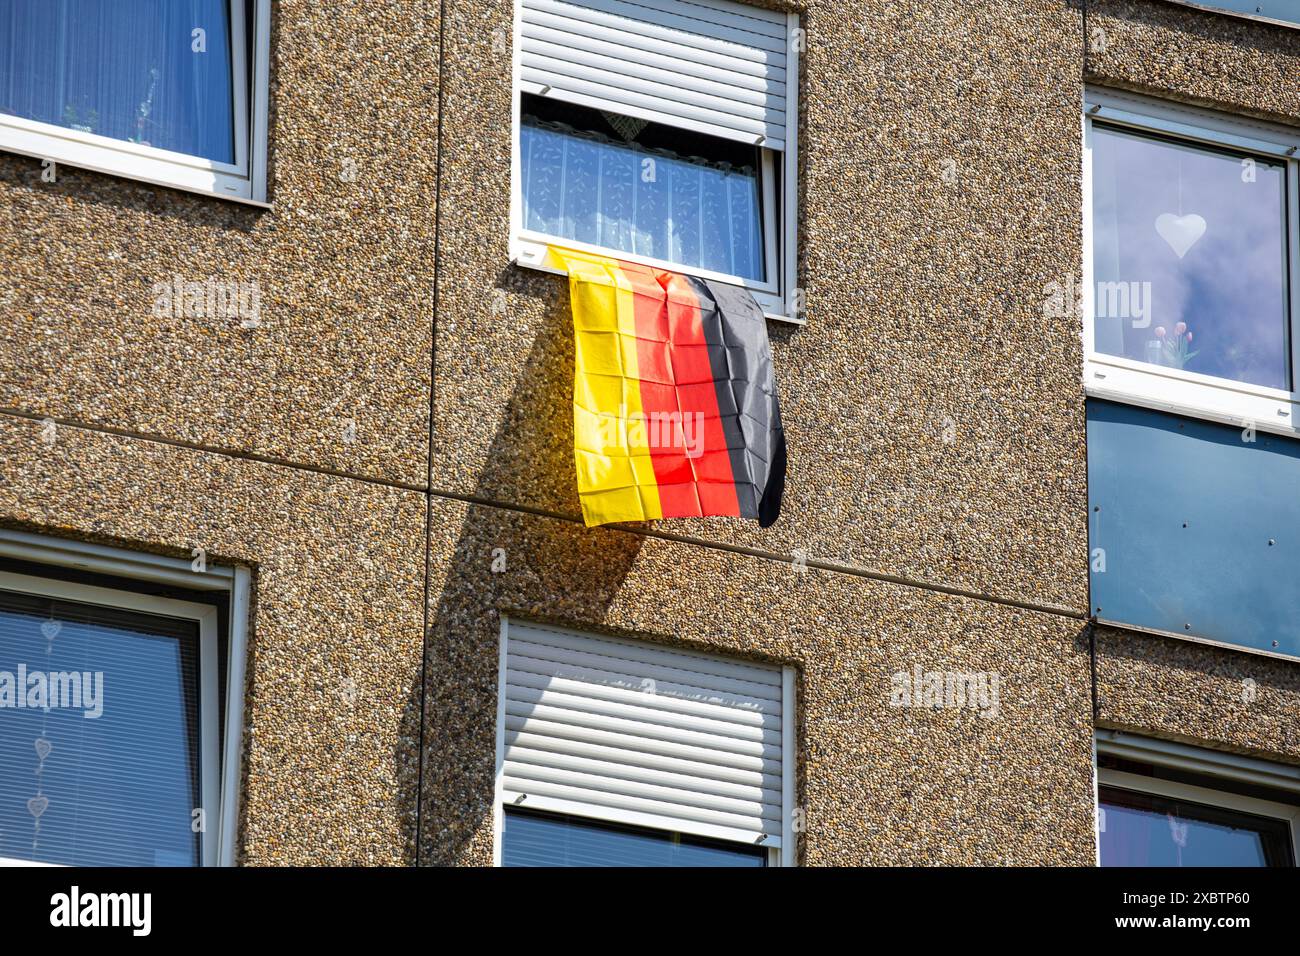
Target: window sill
(113, 157)
(128, 165)
(529, 254)
(1166, 393)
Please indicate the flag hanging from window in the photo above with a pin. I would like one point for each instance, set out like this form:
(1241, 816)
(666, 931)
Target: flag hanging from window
(675, 410)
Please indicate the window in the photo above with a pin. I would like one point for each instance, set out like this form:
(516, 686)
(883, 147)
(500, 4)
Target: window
(1191, 262)
(552, 839)
(660, 132)
(616, 752)
(120, 703)
(173, 93)
(1165, 804)
(703, 214)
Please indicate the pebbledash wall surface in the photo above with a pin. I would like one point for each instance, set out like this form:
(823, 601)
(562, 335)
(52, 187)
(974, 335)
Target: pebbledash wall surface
(402, 415)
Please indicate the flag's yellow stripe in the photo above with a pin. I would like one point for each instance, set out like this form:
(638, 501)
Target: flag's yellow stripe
(616, 478)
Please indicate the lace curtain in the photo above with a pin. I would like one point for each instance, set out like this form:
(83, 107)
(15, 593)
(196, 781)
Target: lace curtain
(641, 201)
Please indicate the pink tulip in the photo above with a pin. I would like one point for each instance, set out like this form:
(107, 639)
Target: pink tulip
(1160, 331)
(1189, 336)
(1180, 328)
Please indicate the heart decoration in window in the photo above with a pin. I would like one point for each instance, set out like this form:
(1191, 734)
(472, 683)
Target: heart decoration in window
(1181, 232)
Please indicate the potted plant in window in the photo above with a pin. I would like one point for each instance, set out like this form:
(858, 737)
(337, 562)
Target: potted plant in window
(85, 122)
(143, 110)
(1173, 351)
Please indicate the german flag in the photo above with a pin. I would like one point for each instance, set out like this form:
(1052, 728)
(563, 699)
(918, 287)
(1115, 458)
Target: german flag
(675, 410)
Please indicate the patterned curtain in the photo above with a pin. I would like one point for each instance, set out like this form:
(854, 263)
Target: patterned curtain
(646, 202)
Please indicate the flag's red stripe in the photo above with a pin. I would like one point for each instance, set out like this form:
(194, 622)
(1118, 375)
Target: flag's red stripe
(692, 464)
(655, 369)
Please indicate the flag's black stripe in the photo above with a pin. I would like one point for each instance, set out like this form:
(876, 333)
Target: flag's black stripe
(769, 508)
(741, 359)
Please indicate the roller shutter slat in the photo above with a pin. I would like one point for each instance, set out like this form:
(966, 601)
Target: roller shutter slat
(666, 692)
(724, 743)
(675, 666)
(572, 16)
(683, 759)
(692, 103)
(724, 13)
(654, 745)
(750, 92)
(646, 709)
(692, 781)
(615, 786)
(598, 798)
(683, 17)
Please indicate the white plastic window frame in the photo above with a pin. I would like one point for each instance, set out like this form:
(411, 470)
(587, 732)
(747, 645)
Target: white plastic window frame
(784, 855)
(1177, 390)
(1259, 14)
(243, 180)
(1210, 764)
(780, 213)
(219, 747)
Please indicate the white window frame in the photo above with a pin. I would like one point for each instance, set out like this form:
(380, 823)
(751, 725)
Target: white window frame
(784, 855)
(243, 180)
(220, 790)
(1177, 390)
(1206, 763)
(1266, 16)
(780, 215)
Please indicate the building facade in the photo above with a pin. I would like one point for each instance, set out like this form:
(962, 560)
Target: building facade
(315, 390)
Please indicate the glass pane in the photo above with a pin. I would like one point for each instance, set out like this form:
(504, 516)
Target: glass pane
(99, 738)
(1140, 829)
(1189, 257)
(154, 72)
(647, 202)
(535, 839)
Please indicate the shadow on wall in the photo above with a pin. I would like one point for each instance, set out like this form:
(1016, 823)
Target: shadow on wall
(545, 570)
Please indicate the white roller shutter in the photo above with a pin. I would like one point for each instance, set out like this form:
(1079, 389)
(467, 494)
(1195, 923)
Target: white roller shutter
(711, 66)
(639, 733)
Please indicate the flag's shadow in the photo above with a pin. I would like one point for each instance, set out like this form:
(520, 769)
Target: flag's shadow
(513, 556)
